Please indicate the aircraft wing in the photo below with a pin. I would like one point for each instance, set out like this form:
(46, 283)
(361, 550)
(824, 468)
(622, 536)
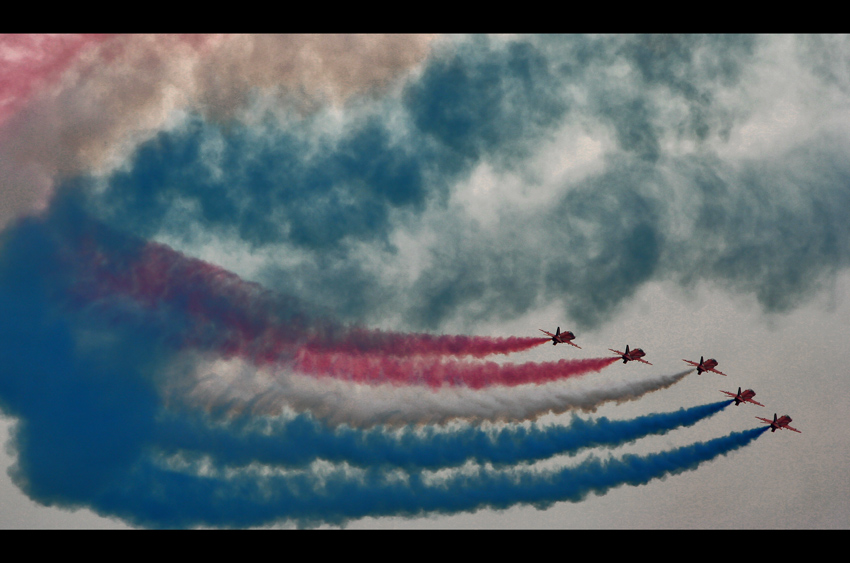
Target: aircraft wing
(754, 402)
(545, 332)
(690, 362)
(616, 351)
(765, 420)
(571, 344)
(789, 428)
(642, 360)
(715, 371)
(729, 393)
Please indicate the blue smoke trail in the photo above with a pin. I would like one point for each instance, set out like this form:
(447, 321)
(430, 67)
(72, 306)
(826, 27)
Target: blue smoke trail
(302, 440)
(154, 496)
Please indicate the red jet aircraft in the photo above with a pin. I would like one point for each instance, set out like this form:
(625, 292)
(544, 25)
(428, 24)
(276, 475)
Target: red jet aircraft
(745, 397)
(707, 365)
(635, 354)
(561, 337)
(781, 423)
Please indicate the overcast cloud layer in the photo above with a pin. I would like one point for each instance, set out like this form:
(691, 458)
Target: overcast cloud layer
(515, 170)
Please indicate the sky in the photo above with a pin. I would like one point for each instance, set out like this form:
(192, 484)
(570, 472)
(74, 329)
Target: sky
(298, 281)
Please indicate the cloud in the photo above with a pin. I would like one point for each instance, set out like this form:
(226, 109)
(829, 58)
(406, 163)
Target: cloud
(665, 199)
(118, 92)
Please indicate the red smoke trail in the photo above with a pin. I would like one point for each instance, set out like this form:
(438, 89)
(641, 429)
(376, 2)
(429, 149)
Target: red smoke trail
(360, 340)
(240, 318)
(220, 310)
(375, 369)
(28, 62)
(269, 346)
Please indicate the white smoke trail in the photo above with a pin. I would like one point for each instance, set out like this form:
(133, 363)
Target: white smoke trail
(238, 386)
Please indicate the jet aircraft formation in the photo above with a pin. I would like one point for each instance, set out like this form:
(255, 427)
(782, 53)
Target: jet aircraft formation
(703, 365)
